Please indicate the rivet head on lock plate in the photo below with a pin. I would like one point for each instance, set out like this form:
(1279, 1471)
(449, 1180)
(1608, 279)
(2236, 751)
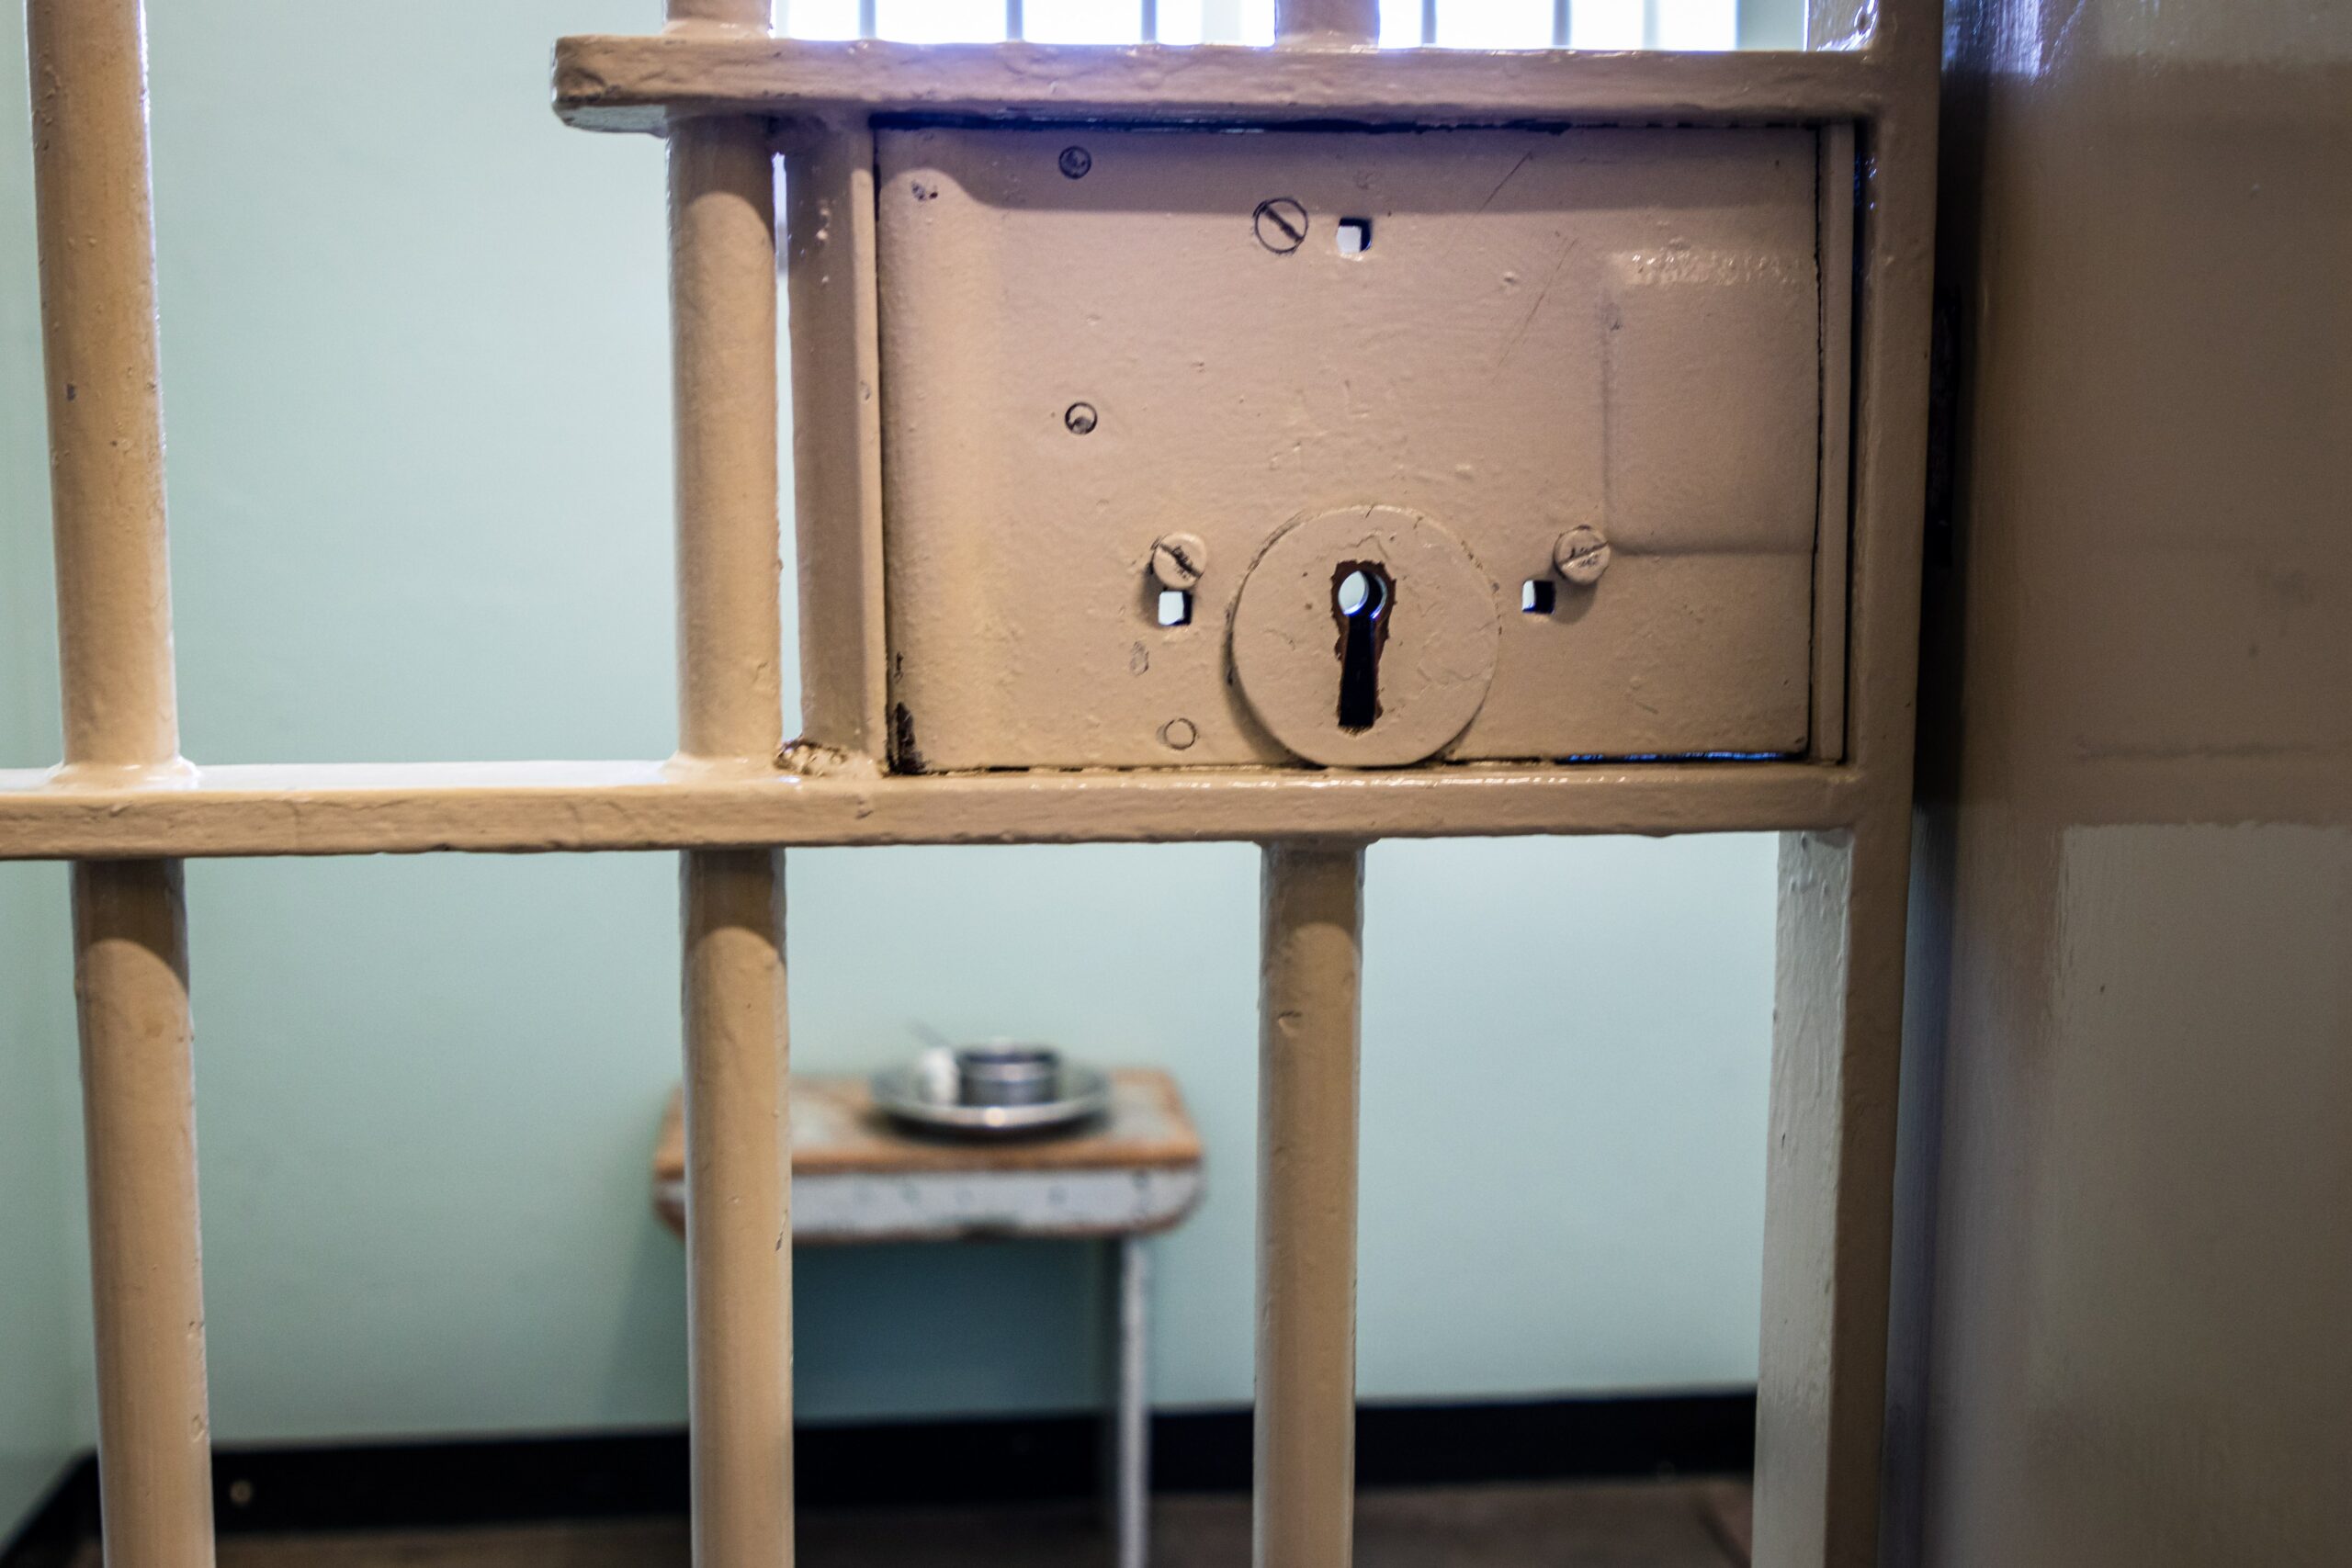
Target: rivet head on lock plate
(1365, 636)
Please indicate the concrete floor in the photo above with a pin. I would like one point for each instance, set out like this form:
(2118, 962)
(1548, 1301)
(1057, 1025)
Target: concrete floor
(1647, 1525)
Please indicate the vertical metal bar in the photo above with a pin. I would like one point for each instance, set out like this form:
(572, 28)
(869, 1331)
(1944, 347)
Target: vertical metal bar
(836, 434)
(1828, 1198)
(105, 418)
(1132, 1512)
(867, 24)
(1833, 514)
(1014, 27)
(1147, 20)
(97, 282)
(1562, 22)
(722, 321)
(139, 1120)
(739, 1253)
(1309, 1011)
(1309, 1007)
(1821, 1432)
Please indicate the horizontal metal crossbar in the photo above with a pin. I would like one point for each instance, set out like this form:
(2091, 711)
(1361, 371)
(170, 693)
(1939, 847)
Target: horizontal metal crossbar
(629, 84)
(333, 809)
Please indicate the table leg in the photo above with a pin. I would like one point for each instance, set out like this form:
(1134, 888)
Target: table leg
(1132, 1503)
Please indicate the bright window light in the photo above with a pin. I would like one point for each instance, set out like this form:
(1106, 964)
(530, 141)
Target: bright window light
(1180, 21)
(1081, 21)
(1698, 24)
(1217, 21)
(940, 21)
(817, 18)
(1607, 23)
(1495, 24)
(1460, 24)
(1400, 23)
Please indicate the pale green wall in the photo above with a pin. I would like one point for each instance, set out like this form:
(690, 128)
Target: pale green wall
(44, 1408)
(417, 398)
(41, 1407)
(1772, 23)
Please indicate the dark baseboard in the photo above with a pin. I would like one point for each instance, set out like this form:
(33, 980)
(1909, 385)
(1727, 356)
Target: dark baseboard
(1032, 1459)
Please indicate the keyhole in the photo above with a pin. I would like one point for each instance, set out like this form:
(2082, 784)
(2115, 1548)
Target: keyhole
(1361, 591)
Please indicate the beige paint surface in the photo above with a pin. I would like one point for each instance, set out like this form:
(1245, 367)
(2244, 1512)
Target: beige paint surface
(2132, 936)
(1548, 329)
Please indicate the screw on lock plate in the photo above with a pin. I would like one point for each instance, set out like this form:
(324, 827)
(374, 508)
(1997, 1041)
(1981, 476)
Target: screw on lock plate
(1281, 225)
(1581, 555)
(1178, 561)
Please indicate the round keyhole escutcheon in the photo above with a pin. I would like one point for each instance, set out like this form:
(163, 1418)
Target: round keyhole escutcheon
(1365, 636)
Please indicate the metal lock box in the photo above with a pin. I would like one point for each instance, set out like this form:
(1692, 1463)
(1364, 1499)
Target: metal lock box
(1556, 396)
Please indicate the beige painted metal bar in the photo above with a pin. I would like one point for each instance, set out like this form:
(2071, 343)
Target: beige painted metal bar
(739, 1260)
(837, 436)
(1833, 536)
(1309, 1007)
(146, 1279)
(1837, 1021)
(628, 83)
(723, 317)
(1838, 1009)
(527, 807)
(97, 247)
(106, 417)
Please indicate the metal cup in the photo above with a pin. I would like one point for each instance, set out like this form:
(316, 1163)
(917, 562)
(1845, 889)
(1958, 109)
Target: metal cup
(1005, 1073)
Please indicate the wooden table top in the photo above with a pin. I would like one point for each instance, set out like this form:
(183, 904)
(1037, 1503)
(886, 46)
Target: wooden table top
(837, 1131)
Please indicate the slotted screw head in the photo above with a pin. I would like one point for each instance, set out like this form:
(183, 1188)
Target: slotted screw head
(1582, 555)
(1281, 225)
(1075, 162)
(1078, 419)
(1179, 559)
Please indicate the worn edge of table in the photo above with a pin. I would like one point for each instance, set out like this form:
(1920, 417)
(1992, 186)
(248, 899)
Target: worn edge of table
(866, 1143)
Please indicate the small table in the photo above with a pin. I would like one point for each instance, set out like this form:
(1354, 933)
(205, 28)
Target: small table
(858, 1177)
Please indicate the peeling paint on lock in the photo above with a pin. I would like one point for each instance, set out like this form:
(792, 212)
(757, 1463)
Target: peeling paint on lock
(1365, 636)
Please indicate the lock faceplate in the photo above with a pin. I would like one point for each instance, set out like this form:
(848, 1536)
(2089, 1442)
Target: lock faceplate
(1210, 335)
(1365, 638)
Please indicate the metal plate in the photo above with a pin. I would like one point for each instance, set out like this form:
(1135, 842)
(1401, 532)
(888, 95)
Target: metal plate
(1429, 652)
(1613, 328)
(915, 1097)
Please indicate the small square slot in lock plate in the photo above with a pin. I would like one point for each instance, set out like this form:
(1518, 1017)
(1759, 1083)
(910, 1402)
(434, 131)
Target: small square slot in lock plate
(1613, 329)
